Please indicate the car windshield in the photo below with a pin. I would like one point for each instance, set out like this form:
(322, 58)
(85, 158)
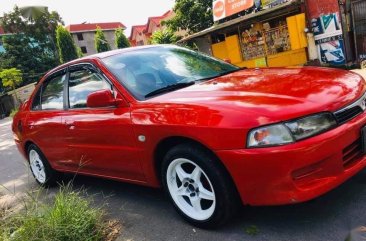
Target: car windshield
(152, 71)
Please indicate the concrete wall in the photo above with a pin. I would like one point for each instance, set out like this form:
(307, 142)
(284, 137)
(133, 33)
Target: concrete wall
(89, 42)
(8, 100)
(24, 92)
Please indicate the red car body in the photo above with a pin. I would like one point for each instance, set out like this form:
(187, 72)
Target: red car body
(218, 114)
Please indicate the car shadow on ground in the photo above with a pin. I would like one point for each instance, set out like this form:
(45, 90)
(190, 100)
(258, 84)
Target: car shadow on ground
(328, 217)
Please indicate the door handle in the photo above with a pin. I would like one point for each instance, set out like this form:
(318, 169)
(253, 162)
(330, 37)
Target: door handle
(70, 124)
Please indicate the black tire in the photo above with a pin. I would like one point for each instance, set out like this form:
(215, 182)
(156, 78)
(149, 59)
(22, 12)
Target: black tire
(51, 175)
(226, 197)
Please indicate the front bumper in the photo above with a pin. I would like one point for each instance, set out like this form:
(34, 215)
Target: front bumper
(300, 171)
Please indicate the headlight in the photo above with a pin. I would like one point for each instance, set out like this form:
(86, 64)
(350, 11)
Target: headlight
(311, 125)
(269, 136)
(288, 132)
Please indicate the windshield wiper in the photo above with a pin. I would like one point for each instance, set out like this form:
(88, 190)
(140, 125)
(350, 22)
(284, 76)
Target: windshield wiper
(169, 88)
(218, 75)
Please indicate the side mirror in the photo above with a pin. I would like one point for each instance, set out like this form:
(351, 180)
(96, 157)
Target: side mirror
(102, 98)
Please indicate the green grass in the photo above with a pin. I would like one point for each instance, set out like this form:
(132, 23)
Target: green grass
(69, 218)
(252, 230)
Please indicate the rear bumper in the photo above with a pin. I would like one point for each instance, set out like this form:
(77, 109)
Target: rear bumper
(20, 146)
(300, 171)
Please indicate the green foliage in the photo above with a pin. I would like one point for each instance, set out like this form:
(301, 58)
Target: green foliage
(79, 52)
(101, 44)
(121, 40)
(191, 15)
(163, 37)
(65, 44)
(31, 46)
(11, 77)
(70, 217)
(14, 112)
(189, 45)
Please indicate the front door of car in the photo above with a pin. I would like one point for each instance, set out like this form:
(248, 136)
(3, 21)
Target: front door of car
(43, 122)
(102, 139)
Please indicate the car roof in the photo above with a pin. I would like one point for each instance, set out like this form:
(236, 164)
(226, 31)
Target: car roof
(107, 54)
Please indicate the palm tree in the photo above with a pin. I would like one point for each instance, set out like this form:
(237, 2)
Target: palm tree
(163, 37)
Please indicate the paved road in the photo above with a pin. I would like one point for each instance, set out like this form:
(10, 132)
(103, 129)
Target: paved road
(147, 215)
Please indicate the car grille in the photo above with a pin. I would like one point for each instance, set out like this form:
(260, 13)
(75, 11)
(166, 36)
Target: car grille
(352, 153)
(351, 111)
(347, 114)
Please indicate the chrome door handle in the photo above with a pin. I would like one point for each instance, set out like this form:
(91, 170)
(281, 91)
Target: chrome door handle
(70, 125)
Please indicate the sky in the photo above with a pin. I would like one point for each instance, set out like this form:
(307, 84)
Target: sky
(128, 12)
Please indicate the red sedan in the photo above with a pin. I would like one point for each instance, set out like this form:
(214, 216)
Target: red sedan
(211, 134)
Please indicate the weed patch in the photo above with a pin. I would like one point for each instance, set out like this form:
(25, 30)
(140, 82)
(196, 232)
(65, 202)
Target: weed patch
(70, 216)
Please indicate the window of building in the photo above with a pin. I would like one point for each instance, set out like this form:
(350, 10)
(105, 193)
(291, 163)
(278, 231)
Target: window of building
(51, 94)
(83, 50)
(1, 45)
(80, 36)
(83, 82)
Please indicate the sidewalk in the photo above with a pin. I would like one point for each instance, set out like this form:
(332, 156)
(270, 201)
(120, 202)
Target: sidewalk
(361, 72)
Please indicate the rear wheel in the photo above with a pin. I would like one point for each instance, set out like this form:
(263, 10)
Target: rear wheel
(40, 168)
(197, 185)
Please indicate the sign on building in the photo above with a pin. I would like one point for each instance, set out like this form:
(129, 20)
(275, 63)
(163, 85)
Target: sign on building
(226, 8)
(328, 35)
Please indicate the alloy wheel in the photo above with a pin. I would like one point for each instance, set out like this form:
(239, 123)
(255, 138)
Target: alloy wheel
(191, 189)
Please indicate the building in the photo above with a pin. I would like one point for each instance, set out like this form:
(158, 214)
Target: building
(84, 34)
(141, 34)
(2, 33)
(274, 33)
(138, 36)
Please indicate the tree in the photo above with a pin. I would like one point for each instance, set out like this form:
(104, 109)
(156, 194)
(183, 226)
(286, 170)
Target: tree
(101, 44)
(65, 44)
(11, 78)
(31, 45)
(163, 37)
(121, 40)
(79, 52)
(191, 15)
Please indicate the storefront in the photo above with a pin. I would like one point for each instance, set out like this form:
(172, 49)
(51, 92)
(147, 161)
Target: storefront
(271, 35)
(358, 8)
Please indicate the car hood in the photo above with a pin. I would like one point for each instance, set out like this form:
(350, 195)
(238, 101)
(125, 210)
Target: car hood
(272, 94)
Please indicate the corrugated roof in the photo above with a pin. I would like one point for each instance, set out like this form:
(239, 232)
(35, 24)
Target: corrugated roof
(137, 29)
(86, 27)
(156, 20)
(144, 28)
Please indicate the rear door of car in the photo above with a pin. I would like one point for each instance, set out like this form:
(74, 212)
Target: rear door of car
(43, 123)
(101, 139)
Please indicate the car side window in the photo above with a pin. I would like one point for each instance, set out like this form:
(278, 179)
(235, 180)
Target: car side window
(51, 94)
(82, 82)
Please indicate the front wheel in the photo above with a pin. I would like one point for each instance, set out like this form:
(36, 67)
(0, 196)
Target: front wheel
(198, 186)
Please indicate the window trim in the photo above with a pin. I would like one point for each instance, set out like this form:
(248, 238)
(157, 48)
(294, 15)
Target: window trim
(67, 70)
(79, 66)
(40, 89)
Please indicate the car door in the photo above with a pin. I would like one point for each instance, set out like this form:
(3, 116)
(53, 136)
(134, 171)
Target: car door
(102, 139)
(43, 121)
